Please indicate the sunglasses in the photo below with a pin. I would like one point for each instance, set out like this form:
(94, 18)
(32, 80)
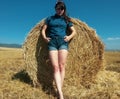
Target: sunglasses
(60, 8)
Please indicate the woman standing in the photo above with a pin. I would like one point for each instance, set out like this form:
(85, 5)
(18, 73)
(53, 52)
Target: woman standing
(57, 41)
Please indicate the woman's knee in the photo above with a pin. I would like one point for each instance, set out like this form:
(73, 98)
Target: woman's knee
(62, 66)
(56, 69)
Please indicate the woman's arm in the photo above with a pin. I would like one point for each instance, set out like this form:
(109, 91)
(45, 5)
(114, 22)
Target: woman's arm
(44, 33)
(69, 37)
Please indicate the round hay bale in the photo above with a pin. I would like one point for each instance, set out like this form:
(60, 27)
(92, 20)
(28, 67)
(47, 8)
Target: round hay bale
(85, 58)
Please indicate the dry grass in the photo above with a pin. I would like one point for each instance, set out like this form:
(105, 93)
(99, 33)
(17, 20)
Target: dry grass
(113, 63)
(14, 81)
(16, 84)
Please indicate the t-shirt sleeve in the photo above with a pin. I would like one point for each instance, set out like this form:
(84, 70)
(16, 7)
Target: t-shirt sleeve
(70, 24)
(47, 20)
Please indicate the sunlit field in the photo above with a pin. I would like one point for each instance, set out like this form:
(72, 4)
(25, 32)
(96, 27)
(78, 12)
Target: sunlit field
(16, 84)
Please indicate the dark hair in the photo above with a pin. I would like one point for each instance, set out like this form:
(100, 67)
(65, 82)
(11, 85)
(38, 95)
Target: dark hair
(62, 4)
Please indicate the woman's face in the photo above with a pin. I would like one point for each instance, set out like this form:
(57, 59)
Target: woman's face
(60, 10)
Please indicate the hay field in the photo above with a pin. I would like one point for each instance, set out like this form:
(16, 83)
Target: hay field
(16, 84)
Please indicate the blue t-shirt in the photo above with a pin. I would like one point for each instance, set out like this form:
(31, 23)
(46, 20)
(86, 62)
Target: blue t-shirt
(57, 26)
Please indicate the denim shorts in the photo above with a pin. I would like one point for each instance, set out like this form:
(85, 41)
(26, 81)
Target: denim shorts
(57, 43)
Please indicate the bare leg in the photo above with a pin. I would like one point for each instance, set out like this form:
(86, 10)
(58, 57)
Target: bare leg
(62, 56)
(57, 76)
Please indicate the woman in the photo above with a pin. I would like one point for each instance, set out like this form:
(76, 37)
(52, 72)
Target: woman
(58, 42)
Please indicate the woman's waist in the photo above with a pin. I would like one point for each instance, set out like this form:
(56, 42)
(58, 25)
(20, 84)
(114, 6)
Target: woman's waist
(57, 36)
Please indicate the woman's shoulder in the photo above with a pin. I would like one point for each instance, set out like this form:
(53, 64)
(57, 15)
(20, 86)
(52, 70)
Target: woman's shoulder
(50, 17)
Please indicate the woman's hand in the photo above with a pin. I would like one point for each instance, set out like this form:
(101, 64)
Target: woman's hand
(67, 38)
(47, 39)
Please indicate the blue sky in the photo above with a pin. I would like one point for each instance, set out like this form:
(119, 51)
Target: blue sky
(18, 17)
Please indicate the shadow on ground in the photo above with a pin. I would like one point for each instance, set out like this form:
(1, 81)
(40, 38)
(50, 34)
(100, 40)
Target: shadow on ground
(22, 76)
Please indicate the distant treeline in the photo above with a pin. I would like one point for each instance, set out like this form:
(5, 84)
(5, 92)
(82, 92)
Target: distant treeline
(11, 45)
(113, 50)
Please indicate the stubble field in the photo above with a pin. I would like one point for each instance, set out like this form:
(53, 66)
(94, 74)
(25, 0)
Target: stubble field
(16, 84)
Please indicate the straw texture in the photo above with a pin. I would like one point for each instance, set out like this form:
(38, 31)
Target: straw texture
(85, 58)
